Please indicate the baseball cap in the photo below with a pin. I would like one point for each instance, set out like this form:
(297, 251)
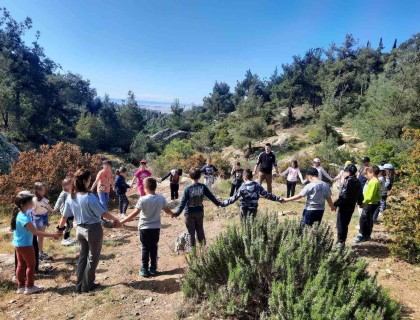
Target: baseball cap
(312, 172)
(382, 168)
(143, 161)
(26, 193)
(388, 166)
(347, 163)
(365, 159)
(317, 160)
(351, 169)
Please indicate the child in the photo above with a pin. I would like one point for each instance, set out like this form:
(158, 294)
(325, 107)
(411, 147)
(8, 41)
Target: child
(150, 207)
(316, 192)
(350, 194)
(249, 193)
(321, 170)
(141, 174)
(209, 171)
(23, 232)
(174, 178)
(372, 196)
(40, 216)
(237, 174)
(192, 201)
(121, 188)
(104, 180)
(59, 207)
(292, 173)
(342, 175)
(384, 194)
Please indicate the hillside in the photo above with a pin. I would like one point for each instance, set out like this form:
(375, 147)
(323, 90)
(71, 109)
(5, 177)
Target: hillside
(125, 295)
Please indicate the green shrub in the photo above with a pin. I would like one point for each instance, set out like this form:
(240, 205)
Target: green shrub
(267, 269)
(403, 218)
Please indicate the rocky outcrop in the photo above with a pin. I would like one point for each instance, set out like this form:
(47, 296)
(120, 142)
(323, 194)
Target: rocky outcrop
(8, 154)
(167, 135)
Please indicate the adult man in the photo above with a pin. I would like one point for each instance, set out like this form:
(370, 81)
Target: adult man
(266, 161)
(350, 194)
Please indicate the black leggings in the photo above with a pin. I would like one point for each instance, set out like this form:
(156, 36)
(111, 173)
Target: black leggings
(235, 187)
(123, 203)
(343, 220)
(174, 191)
(291, 186)
(149, 239)
(36, 249)
(69, 226)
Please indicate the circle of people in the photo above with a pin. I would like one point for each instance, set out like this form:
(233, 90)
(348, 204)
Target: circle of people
(365, 187)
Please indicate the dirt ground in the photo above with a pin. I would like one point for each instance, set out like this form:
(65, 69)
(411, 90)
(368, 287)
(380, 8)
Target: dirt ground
(125, 295)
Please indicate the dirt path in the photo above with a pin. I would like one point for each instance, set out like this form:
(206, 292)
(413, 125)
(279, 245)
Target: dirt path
(125, 295)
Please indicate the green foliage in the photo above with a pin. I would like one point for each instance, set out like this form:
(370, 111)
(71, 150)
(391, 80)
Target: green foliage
(392, 151)
(267, 269)
(403, 218)
(175, 151)
(330, 152)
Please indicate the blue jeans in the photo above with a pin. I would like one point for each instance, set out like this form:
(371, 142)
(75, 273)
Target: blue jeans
(103, 199)
(311, 216)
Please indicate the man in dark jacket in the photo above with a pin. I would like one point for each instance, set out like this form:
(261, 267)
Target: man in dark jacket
(350, 193)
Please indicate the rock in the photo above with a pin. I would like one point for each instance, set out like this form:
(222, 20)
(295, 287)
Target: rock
(167, 135)
(12, 301)
(182, 242)
(148, 301)
(8, 154)
(389, 271)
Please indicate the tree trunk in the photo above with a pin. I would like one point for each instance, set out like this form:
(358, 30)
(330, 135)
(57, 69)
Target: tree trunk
(5, 116)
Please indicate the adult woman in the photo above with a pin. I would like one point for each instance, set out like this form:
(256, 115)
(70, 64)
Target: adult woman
(87, 212)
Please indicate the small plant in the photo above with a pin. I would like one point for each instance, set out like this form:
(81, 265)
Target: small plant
(267, 269)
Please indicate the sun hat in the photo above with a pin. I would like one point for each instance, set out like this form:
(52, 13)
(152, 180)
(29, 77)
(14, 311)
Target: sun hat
(317, 160)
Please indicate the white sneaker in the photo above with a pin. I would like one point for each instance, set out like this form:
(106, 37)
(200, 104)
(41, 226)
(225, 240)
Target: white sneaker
(33, 289)
(67, 242)
(20, 290)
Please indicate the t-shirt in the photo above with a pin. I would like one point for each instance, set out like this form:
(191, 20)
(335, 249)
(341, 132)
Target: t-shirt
(237, 175)
(85, 208)
(151, 206)
(105, 180)
(209, 170)
(372, 193)
(266, 161)
(40, 205)
(22, 237)
(316, 193)
(141, 175)
(293, 174)
(193, 198)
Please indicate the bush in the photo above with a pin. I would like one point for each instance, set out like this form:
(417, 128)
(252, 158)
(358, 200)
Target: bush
(267, 269)
(50, 165)
(403, 218)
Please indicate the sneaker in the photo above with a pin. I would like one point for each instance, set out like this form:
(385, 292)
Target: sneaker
(20, 290)
(359, 238)
(144, 272)
(33, 289)
(153, 271)
(67, 242)
(44, 256)
(339, 245)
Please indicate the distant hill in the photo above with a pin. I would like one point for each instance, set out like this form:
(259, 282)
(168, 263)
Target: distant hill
(164, 107)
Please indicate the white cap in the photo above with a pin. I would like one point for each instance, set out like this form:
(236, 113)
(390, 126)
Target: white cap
(317, 160)
(388, 166)
(382, 168)
(26, 193)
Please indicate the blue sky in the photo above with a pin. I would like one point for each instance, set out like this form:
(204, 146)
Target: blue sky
(178, 48)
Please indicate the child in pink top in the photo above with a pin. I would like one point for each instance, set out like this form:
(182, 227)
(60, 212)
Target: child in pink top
(140, 176)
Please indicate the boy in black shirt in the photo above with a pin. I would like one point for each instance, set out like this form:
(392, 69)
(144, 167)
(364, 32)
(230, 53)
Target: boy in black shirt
(209, 171)
(237, 174)
(192, 201)
(266, 161)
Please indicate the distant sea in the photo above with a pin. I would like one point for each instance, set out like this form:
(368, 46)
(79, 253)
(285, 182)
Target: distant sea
(160, 106)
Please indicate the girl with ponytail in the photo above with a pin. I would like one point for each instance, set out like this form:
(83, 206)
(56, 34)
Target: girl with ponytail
(23, 234)
(87, 212)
